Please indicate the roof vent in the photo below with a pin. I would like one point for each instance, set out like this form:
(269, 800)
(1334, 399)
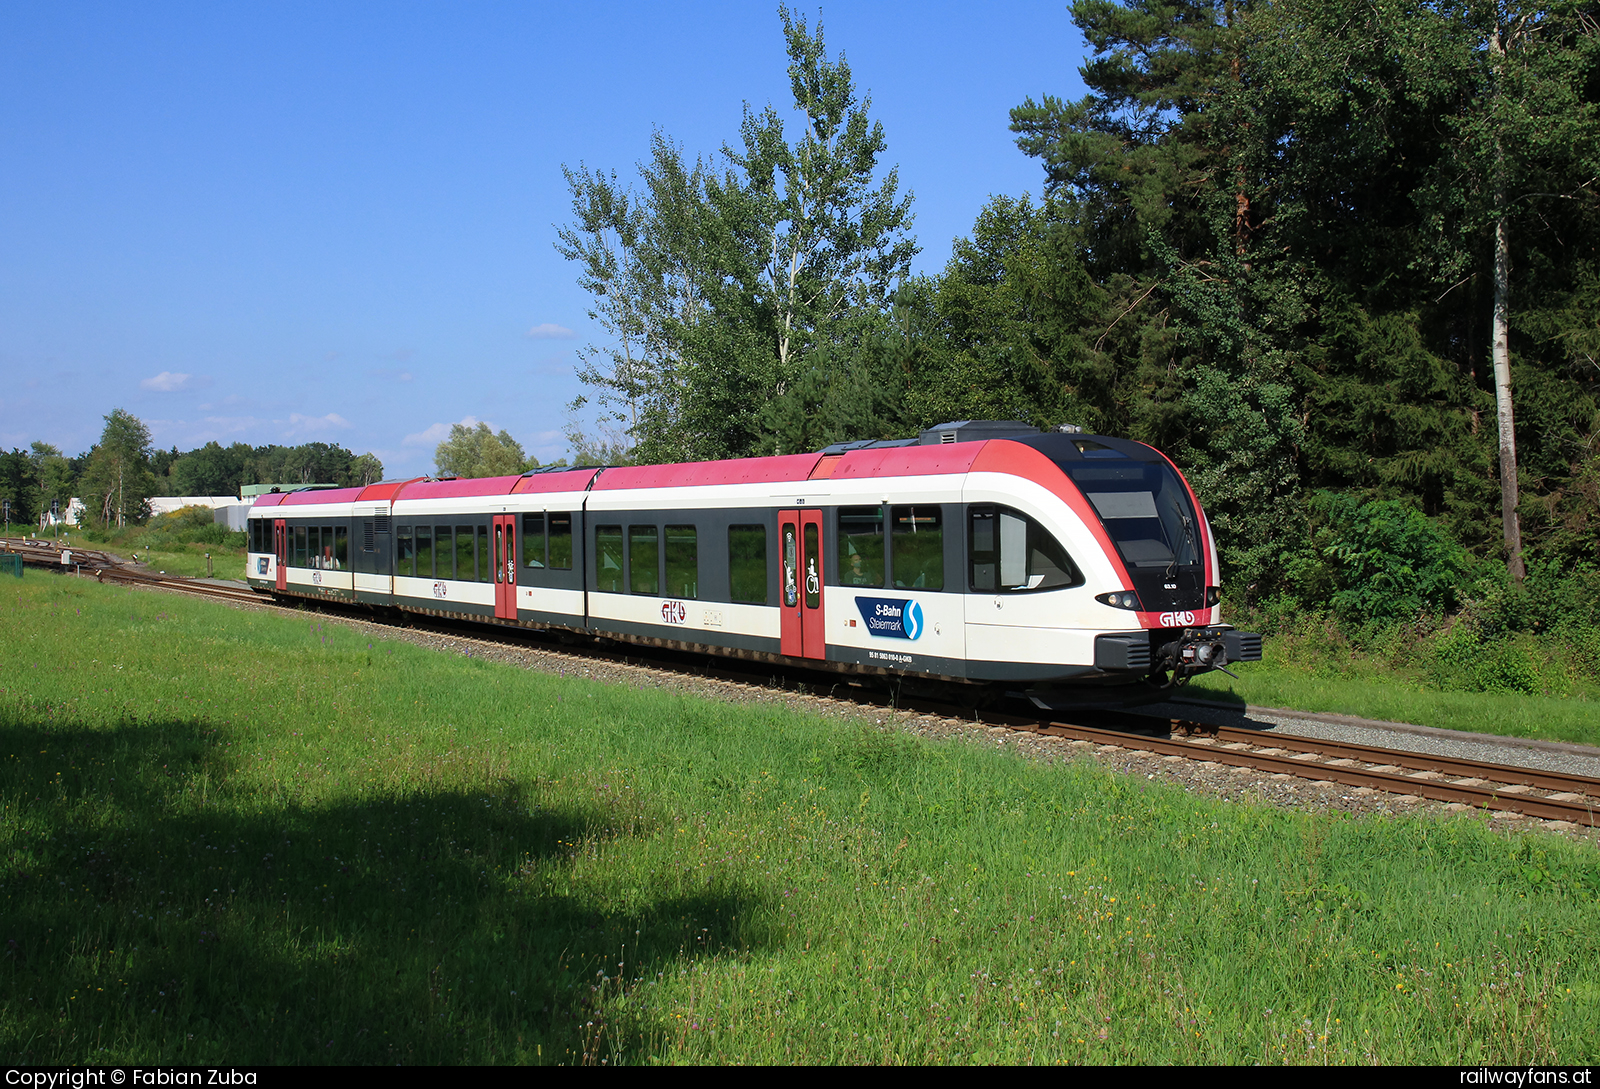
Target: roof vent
(974, 431)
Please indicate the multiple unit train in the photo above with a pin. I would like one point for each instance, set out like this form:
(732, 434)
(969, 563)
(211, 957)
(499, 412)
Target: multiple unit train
(1074, 567)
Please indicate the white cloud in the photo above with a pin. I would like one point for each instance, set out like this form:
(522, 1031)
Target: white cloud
(167, 382)
(436, 434)
(312, 425)
(551, 331)
(231, 424)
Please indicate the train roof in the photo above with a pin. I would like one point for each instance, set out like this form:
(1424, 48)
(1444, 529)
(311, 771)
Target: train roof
(943, 449)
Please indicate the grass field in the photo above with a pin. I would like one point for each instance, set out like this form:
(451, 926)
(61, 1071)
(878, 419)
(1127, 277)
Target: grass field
(239, 837)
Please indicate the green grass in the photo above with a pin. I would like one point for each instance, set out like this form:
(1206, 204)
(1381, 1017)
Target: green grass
(244, 838)
(189, 561)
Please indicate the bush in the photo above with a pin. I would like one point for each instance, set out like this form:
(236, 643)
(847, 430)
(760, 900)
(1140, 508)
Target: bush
(1550, 599)
(1464, 661)
(1387, 562)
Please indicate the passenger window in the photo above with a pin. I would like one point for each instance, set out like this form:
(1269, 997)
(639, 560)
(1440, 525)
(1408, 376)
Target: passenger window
(918, 548)
(444, 561)
(608, 559)
(1010, 552)
(313, 547)
(533, 540)
(683, 562)
(325, 548)
(644, 560)
(425, 552)
(560, 542)
(403, 553)
(813, 573)
(299, 546)
(341, 547)
(485, 556)
(465, 571)
(860, 546)
(747, 564)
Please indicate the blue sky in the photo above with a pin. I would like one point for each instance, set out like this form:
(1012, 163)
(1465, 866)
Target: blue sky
(335, 221)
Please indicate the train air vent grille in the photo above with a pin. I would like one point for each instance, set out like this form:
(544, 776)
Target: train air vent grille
(1242, 646)
(366, 536)
(946, 437)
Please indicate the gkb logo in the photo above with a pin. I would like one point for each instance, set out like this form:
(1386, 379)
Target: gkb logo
(896, 618)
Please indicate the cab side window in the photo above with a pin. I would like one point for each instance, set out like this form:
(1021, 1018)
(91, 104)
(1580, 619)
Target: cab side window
(1008, 552)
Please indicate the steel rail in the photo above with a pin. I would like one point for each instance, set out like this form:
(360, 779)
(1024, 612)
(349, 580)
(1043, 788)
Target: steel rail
(1482, 795)
(1410, 759)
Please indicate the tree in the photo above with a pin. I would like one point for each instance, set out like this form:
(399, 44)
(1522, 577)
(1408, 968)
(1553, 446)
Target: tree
(366, 469)
(477, 451)
(1407, 146)
(118, 482)
(724, 284)
(54, 475)
(1537, 137)
(19, 483)
(210, 470)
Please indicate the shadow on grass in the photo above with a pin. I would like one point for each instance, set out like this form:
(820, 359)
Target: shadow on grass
(156, 910)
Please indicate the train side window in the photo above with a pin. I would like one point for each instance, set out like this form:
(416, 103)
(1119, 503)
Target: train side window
(861, 545)
(464, 559)
(313, 547)
(560, 541)
(341, 547)
(747, 564)
(917, 546)
(683, 562)
(644, 560)
(425, 552)
(485, 556)
(325, 548)
(533, 540)
(813, 576)
(1010, 552)
(608, 559)
(444, 556)
(299, 547)
(403, 552)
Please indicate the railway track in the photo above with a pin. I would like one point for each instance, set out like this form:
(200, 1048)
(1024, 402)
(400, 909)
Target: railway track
(1546, 795)
(1510, 788)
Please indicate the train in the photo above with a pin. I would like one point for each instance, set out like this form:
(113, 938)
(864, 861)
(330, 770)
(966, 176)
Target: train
(979, 557)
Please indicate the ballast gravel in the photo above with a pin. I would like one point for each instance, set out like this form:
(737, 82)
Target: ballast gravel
(1198, 776)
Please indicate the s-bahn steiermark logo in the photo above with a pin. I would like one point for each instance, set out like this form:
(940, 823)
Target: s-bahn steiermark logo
(896, 618)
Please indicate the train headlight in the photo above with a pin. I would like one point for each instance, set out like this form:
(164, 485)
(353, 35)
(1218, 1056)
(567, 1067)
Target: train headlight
(1213, 595)
(1119, 599)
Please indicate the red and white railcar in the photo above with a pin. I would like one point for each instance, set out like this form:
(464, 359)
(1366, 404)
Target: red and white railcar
(980, 552)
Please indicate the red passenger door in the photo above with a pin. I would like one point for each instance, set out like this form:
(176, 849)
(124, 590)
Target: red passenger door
(800, 585)
(505, 566)
(280, 547)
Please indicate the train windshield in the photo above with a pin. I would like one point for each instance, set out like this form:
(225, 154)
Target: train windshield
(1145, 509)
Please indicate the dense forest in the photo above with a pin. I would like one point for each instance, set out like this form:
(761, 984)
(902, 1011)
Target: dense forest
(1340, 260)
(117, 476)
